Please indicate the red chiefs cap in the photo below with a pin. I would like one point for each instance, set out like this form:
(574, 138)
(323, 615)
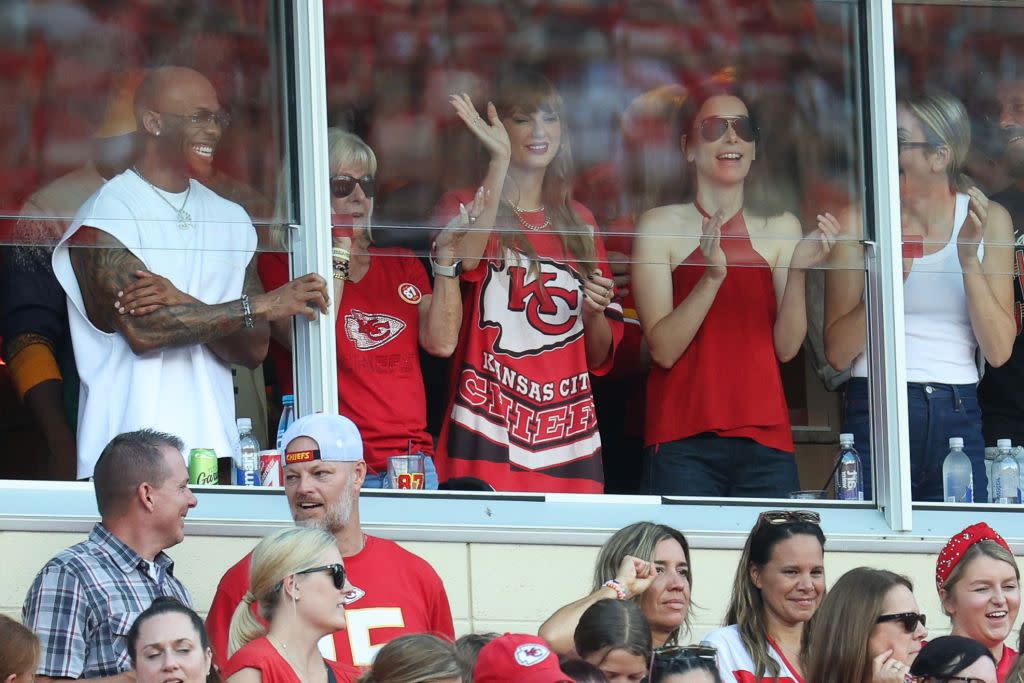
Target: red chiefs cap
(518, 657)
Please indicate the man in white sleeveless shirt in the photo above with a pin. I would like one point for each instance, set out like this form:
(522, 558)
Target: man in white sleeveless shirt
(158, 355)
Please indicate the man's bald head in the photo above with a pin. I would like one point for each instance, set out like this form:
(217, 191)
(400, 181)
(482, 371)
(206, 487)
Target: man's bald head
(175, 90)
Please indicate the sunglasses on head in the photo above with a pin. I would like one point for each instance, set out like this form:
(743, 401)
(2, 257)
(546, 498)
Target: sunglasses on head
(344, 185)
(946, 679)
(714, 127)
(910, 620)
(337, 573)
(789, 516)
(663, 657)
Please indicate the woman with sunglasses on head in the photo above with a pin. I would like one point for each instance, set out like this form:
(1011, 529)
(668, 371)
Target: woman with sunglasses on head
(957, 291)
(386, 311)
(613, 635)
(978, 581)
(645, 562)
(868, 630)
(539, 317)
(169, 641)
(779, 584)
(720, 284)
(954, 659)
(685, 664)
(297, 581)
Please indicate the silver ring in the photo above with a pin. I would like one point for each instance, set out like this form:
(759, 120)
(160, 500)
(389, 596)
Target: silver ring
(472, 218)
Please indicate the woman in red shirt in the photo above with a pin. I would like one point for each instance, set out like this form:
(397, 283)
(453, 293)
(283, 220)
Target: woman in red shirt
(719, 291)
(537, 316)
(298, 581)
(979, 585)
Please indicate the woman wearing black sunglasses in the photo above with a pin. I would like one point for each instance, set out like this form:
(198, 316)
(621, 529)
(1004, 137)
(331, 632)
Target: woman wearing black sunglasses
(539, 318)
(386, 311)
(685, 664)
(779, 584)
(297, 582)
(954, 659)
(868, 629)
(719, 288)
(957, 296)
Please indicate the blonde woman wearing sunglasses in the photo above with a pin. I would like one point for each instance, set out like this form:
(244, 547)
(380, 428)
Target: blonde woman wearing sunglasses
(779, 584)
(720, 284)
(297, 579)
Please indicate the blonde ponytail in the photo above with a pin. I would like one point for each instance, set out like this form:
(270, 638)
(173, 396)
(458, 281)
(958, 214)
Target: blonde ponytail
(277, 556)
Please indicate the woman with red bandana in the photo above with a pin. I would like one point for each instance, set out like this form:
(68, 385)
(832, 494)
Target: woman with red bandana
(979, 587)
(719, 287)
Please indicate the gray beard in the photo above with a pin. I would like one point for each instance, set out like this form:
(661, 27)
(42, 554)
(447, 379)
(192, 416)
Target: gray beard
(336, 517)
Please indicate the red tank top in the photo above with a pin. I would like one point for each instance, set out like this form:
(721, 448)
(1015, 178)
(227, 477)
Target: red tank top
(727, 381)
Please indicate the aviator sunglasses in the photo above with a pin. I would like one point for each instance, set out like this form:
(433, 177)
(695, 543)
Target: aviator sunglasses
(714, 127)
(909, 620)
(664, 657)
(788, 516)
(337, 573)
(344, 185)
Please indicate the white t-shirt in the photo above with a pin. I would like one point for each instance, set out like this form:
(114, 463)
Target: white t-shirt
(941, 346)
(735, 664)
(186, 391)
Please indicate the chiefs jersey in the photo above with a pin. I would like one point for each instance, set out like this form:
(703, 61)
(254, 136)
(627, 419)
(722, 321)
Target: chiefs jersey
(735, 664)
(394, 593)
(380, 387)
(521, 412)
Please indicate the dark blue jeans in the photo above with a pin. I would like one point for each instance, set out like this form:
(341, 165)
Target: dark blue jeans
(716, 466)
(936, 413)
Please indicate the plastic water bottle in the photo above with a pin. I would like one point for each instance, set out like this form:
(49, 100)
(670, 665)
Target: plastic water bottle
(957, 474)
(849, 475)
(1005, 475)
(1018, 455)
(247, 463)
(287, 417)
(990, 457)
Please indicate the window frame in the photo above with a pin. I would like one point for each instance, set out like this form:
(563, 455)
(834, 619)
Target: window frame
(568, 519)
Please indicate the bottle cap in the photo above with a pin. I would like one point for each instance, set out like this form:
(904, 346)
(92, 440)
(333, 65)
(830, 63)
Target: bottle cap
(288, 400)
(1004, 443)
(244, 424)
(845, 439)
(956, 442)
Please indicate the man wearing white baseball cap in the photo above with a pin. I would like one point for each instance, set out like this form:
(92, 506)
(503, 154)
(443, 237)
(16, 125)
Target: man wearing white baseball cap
(394, 591)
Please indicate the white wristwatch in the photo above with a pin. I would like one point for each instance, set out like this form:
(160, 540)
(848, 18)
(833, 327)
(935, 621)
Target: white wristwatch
(453, 270)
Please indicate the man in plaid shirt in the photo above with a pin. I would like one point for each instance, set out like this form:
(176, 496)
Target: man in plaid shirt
(84, 600)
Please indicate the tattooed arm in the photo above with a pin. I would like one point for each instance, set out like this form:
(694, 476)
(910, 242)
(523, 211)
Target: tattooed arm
(108, 268)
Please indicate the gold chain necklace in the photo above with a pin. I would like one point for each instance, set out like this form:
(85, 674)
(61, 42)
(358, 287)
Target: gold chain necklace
(525, 223)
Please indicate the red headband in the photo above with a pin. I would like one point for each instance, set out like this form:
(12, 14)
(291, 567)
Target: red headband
(958, 545)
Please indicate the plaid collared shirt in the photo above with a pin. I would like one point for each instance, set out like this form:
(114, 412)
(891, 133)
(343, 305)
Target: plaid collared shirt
(85, 599)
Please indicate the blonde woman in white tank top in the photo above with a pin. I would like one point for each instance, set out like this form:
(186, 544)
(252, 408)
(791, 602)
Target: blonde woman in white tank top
(958, 294)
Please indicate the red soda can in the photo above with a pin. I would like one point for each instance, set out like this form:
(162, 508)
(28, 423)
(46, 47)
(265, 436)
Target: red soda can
(270, 467)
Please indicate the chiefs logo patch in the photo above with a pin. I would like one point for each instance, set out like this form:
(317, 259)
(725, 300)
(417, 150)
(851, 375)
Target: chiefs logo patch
(531, 653)
(410, 293)
(370, 331)
(534, 311)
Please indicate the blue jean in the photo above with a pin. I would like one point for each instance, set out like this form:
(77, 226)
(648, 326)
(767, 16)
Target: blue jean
(936, 413)
(717, 466)
(375, 480)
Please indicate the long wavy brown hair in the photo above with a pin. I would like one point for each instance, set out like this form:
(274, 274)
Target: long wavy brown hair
(526, 92)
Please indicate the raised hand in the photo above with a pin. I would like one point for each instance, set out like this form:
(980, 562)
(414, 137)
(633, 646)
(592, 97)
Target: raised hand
(148, 293)
(635, 575)
(711, 244)
(491, 133)
(447, 242)
(814, 249)
(973, 229)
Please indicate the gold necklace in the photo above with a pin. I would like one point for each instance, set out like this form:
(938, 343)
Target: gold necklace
(283, 650)
(519, 211)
